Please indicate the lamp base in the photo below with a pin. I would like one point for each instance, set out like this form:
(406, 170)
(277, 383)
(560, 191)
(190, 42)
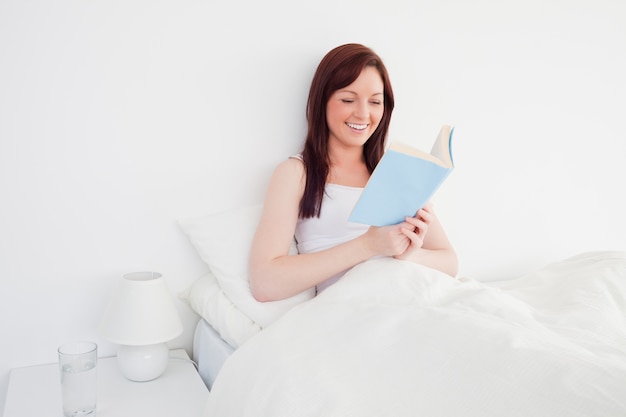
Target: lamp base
(143, 363)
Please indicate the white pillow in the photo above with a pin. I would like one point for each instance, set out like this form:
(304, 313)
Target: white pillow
(206, 298)
(223, 241)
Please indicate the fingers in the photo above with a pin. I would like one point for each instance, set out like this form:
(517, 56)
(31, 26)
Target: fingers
(417, 224)
(415, 237)
(426, 213)
(415, 229)
(428, 207)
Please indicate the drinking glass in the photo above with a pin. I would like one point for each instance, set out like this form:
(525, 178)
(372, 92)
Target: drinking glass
(77, 364)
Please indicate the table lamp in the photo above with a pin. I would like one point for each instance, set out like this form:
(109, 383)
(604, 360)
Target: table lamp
(141, 318)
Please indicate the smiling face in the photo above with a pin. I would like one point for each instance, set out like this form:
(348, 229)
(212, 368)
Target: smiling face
(354, 112)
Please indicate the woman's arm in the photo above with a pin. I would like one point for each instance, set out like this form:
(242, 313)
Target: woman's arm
(274, 274)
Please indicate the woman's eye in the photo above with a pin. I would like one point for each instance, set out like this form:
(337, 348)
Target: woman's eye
(376, 102)
(347, 100)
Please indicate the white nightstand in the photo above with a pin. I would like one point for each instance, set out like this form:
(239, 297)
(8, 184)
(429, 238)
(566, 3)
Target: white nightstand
(36, 391)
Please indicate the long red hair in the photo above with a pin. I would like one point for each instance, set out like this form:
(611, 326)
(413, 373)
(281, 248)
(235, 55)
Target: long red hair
(338, 69)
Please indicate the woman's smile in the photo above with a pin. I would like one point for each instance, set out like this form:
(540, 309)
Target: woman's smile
(356, 126)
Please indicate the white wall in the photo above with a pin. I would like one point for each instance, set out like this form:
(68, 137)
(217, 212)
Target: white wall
(119, 117)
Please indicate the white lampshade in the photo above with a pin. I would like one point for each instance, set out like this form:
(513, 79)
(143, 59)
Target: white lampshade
(141, 317)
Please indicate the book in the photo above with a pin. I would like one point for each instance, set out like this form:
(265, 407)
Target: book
(404, 180)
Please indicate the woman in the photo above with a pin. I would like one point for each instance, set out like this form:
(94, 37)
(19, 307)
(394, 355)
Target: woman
(310, 196)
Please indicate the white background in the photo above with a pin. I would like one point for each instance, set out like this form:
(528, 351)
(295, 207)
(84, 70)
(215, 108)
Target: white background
(119, 117)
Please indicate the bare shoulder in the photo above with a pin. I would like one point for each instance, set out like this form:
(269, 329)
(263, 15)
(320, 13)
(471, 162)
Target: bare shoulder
(289, 171)
(282, 202)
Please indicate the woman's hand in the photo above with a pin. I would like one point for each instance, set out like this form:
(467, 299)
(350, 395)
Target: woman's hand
(417, 230)
(388, 240)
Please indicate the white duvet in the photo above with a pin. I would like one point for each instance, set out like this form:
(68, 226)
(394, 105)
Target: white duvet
(392, 338)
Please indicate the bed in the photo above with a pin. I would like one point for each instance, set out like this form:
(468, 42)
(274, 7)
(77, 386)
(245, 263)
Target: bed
(395, 338)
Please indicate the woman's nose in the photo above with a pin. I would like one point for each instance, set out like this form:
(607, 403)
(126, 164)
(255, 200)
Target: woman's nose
(362, 110)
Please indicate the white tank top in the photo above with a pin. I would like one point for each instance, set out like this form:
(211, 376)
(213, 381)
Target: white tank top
(332, 227)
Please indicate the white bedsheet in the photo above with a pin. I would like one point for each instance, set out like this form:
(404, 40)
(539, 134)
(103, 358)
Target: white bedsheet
(396, 339)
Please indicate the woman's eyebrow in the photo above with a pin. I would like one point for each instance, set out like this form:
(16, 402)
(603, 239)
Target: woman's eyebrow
(356, 94)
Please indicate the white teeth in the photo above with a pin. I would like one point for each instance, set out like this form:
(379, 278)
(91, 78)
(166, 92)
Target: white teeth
(355, 126)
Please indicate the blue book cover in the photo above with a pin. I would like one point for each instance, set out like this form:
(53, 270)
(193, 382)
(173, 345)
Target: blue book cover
(404, 180)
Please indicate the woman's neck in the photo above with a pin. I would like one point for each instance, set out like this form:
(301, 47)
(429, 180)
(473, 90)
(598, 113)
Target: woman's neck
(347, 167)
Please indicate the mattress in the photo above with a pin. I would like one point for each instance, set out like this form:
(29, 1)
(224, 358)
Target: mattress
(210, 352)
